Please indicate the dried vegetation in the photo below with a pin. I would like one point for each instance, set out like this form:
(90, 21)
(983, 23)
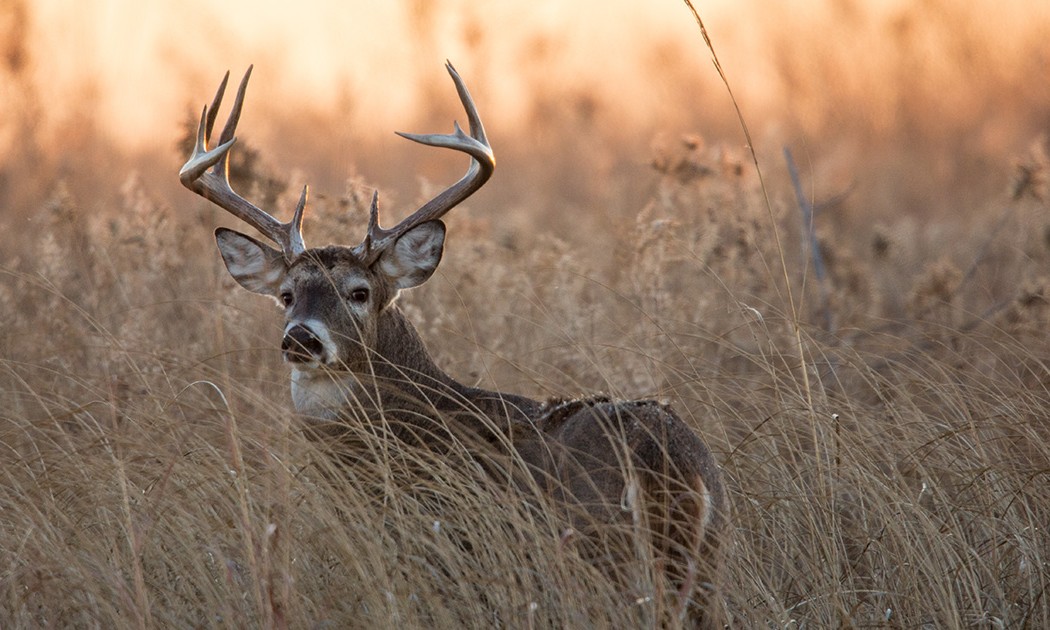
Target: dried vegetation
(891, 470)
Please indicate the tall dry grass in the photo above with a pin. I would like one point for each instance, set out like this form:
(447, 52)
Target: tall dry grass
(153, 476)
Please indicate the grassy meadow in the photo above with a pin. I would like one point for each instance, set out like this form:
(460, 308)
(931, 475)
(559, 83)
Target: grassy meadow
(881, 411)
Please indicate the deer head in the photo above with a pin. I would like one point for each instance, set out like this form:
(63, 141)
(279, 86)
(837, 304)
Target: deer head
(334, 297)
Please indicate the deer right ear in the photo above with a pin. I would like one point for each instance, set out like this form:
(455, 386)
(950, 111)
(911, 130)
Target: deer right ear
(254, 265)
(415, 256)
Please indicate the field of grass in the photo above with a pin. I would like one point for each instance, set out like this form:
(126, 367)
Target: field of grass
(882, 418)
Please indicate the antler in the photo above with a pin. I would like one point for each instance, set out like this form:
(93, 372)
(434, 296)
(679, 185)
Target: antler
(207, 174)
(482, 164)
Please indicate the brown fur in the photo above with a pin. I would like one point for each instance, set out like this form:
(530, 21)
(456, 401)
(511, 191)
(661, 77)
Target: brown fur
(611, 467)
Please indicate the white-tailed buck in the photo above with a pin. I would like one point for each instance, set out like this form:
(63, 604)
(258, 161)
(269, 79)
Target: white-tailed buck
(355, 357)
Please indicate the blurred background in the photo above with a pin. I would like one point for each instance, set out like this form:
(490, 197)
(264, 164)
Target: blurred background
(889, 106)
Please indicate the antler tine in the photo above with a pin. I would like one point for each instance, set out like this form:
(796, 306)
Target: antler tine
(482, 165)
(207, 174)
(477, 130)
(213, 111)
(373, 222)
(238, 104)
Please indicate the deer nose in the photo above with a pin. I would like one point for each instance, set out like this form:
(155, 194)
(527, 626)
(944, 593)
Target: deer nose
(301, 345)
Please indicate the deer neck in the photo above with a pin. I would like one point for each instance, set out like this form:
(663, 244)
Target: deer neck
(405, 376)
(401, 375)
(401, 359)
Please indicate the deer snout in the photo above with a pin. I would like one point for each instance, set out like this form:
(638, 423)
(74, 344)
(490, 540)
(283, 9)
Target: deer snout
(301, 345)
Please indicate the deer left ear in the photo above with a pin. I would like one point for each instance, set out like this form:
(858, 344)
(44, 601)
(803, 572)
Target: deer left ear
(415, 256)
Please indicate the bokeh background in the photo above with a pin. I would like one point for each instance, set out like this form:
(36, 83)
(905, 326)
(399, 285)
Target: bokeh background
(915, 107)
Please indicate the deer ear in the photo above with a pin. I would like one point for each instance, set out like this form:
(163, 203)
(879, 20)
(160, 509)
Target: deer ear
(415, 256)
(254, 265)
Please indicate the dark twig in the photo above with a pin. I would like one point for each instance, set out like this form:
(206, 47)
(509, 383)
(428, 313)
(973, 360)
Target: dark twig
(810, 232)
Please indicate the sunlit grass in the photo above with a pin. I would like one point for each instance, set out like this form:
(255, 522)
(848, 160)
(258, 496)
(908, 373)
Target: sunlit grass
(153, 473)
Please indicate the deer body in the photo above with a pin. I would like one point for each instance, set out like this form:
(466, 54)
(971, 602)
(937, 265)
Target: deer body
(355, 358)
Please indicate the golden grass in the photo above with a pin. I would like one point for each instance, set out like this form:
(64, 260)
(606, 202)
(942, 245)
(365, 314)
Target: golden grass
(152, 476)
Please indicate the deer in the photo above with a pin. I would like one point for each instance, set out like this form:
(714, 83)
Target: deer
(355, 357)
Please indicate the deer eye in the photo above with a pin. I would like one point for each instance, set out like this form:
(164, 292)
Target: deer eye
(359, 295)
(286, 298)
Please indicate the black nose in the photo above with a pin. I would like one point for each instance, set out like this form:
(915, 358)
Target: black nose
(300, 345)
